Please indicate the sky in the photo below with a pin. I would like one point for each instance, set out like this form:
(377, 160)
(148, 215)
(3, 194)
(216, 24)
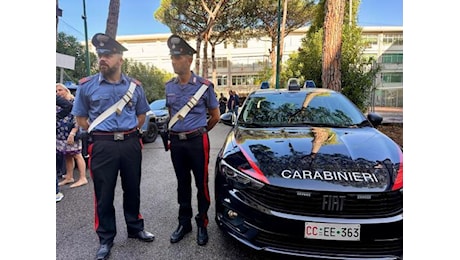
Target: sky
(136, 17)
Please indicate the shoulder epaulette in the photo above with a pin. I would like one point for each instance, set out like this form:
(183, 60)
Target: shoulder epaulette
(204, 81)
(84, 80)
(137, 82)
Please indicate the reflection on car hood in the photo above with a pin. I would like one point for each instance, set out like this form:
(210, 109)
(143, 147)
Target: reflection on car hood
(317, 158)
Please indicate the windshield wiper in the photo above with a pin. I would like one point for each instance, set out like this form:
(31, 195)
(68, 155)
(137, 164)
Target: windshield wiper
(250, 124)
(316, 124)
(306, 101)
(295, 113)
(364, 123)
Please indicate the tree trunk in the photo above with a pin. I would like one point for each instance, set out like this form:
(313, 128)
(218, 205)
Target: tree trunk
(112, 19)
(212, 16)
(283, 29)
(204, 72)
(197, 55)
(57, 17)
(274, 55)
(332, 44)
(273, 60)
(214, 65)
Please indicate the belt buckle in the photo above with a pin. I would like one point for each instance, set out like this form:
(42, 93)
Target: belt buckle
(118, 136)
(182, 136)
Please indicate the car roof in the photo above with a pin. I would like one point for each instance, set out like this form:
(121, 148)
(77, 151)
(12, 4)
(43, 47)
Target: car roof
(284, 90)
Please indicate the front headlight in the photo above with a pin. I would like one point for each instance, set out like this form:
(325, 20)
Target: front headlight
(239, 179)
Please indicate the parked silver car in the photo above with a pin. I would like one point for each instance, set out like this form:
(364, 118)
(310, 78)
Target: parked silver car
(156, 119)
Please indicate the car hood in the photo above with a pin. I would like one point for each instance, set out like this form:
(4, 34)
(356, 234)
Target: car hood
(160, 113)
(317, 158)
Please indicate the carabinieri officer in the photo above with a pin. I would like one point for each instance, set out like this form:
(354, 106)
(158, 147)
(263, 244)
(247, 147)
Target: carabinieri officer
(189, 140)
(115, 145)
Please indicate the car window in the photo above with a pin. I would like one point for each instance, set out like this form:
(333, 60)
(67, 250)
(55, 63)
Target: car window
(285, 109)
(159, 104)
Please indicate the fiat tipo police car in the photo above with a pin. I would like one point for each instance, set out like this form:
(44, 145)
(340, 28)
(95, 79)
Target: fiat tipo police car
(304, 172)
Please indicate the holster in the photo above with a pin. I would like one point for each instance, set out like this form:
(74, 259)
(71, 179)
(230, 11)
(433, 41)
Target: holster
(165, 137)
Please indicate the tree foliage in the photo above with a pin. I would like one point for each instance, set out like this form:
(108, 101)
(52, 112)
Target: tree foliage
(299, 14)
(237, 20)
(186, 18)
(357, 71)
(68, 44)
(230, 30)
(153, 79)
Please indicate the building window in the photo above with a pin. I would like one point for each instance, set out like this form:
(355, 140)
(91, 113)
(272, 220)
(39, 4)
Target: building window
(392, 77)
(392, 38)
(222, 62)
(243, 80)
(370, 39)
(240, 44)
(392, 58)
(222, 81)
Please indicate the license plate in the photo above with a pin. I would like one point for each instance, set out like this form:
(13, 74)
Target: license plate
(332, 231)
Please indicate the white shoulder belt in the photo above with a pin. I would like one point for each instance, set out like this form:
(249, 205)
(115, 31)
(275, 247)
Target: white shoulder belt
(117, 107)
(190, 104)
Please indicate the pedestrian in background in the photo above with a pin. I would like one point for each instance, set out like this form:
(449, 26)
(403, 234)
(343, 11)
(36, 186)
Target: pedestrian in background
(66, 143)
(63, 109)
(230, 102)
(189, 140)
(236, 105)
(222, 103)
(116, 146)
(233, 104)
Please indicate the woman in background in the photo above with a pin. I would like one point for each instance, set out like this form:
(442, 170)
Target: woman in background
(66, 131)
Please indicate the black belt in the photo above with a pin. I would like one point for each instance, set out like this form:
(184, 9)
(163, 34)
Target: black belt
(189, 134)
(114, 136)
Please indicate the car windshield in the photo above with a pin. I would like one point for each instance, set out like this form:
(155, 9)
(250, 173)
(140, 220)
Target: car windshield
(159, 104)
(316, 108)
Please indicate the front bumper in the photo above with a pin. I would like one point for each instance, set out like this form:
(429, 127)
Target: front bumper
(266, 230)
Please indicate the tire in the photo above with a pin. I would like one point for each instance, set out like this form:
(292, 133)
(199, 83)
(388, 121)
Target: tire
(152, 133)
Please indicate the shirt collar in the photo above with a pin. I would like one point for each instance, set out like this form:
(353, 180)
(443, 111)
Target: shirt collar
(122, 80)
(193, 79)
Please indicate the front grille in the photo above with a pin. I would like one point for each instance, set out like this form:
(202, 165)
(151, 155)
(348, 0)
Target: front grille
(381, 204)
(369, 248)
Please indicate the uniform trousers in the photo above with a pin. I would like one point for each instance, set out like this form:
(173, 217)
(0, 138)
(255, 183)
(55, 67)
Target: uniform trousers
(191, 156)
(107, 160)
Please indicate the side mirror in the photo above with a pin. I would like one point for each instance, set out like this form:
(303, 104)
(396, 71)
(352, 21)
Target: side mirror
(374, 118)
(226, 118)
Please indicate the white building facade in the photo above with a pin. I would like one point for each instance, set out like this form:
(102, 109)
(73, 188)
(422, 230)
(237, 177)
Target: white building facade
(238, 66)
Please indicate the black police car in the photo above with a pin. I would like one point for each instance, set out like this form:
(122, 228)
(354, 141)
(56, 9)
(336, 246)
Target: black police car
(306, 173)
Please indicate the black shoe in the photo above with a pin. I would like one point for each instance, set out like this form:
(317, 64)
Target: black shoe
(202, 236)
(179, 233)
(143, 235)
(104, 251)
